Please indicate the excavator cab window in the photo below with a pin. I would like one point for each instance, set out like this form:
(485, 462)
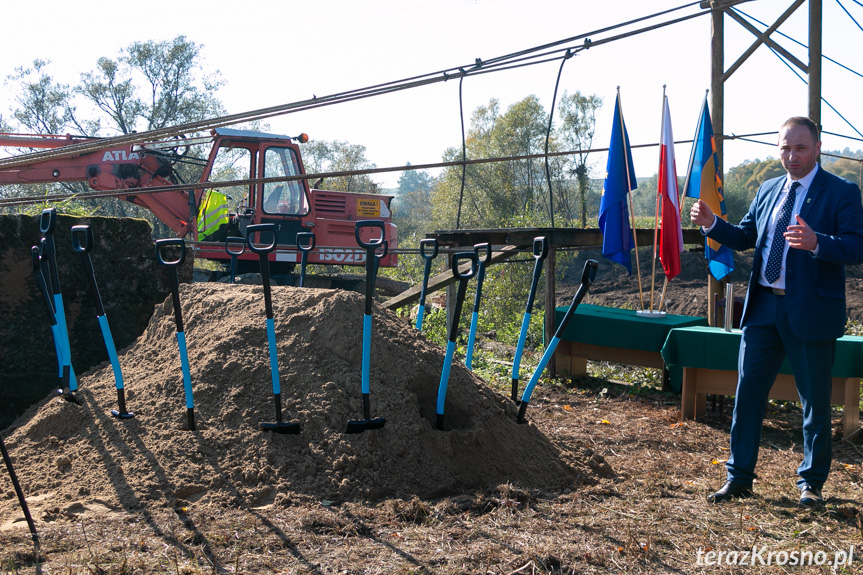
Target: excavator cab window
(215, 222)
(233, 164)
(288, 197)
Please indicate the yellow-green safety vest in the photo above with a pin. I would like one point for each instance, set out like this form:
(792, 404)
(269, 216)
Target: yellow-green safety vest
(213, 213)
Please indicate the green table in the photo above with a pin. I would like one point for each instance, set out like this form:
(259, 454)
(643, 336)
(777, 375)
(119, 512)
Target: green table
(618, 335)
(708, 356)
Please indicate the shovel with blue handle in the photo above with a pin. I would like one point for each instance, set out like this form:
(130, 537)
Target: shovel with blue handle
(263, 249)
(236, 247)
(21, 501)
(474, 318)
(36, 261)
(162, 247)
(82, 243)
(305, 243)
(47, 223)
(426, 271)
(540, 252)
(372, 257)
(463, 278)
(587, 277)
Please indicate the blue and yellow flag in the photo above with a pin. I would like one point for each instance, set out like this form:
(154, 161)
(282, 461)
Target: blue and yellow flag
(617, 242)
(705, 182)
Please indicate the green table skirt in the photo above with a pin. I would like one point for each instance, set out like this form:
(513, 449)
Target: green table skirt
(715, 348)
(612, 327)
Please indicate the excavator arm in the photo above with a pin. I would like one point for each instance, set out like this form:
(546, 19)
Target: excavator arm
(122, 169)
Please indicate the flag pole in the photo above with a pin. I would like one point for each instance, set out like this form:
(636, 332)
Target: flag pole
(662, 297)
(656, 216)
(688, 175)
(629, 196)
(694, 147)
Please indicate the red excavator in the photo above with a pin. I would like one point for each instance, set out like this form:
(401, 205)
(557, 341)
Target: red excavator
(211, 214)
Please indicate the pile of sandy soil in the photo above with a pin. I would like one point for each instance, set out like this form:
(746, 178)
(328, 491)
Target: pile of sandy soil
(73, 457)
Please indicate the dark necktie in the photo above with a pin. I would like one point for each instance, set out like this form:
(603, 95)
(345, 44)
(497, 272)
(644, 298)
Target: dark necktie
(777, 246)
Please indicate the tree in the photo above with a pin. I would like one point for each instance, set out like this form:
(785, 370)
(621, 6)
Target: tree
(44, 106)
(578, 115)
(337, 156)
(742, 182)
(412, 207)
(149, 85)
(152, 85)
(497, 193)
(845, 167)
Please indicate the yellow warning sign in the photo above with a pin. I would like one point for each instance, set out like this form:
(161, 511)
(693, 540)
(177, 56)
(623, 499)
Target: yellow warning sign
(369, 208)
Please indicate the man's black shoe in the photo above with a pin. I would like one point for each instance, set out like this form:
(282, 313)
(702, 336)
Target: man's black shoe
(728, 492)
(810, 496)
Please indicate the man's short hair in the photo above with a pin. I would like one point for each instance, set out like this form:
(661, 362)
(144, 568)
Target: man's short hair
(802, 121)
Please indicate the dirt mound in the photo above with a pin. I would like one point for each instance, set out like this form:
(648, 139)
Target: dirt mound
(72, 457)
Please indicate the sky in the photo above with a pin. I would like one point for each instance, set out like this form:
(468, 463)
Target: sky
(273, 52)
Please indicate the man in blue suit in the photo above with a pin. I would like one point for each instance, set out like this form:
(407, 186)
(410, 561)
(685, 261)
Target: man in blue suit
(795, 304)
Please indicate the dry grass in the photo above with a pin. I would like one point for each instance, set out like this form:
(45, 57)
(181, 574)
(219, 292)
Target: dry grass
(647, 515)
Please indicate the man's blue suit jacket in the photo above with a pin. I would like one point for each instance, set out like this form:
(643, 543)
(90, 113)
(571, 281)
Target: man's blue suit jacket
(815, 286)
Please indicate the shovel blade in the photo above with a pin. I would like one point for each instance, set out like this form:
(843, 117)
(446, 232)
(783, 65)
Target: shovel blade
(281, 427)
(360, 425)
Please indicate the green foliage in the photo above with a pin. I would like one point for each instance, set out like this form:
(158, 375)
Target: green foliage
(742, 182)
(435, 326)
(497, 192)
(148, 85)
(845, 167)
(337, 156)
(152, 85)
(578, 116)
(412, 206)
(68, 207)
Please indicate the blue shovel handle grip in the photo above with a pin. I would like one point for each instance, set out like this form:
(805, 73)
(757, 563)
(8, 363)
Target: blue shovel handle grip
(456, 265)
(171, 242)
(478, 250)
(48, 220)
(262, 229)
(82, 239)
(540, 248)
(302, 237)
(426, 243)
(235, 246)
(374, 244)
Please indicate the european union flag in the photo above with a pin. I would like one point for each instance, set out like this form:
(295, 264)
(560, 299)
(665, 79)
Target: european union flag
(705, 182)
(617, 242)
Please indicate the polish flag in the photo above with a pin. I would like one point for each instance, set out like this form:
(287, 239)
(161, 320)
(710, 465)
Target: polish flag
(670, 235)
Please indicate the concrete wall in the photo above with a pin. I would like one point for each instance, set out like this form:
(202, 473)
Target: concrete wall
(130, 280)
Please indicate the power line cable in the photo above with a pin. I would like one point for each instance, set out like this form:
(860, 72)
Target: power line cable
(594, 32)
(548, 137)
(376, 90)
(463, 152)
(313, 176)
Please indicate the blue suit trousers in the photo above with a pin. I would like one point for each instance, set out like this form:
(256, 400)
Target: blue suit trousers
(767, 338)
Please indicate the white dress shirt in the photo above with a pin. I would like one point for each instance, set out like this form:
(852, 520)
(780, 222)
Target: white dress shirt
(799, 198)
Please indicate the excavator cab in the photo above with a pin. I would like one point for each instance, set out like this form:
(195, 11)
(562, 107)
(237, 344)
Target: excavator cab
(241, 155)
